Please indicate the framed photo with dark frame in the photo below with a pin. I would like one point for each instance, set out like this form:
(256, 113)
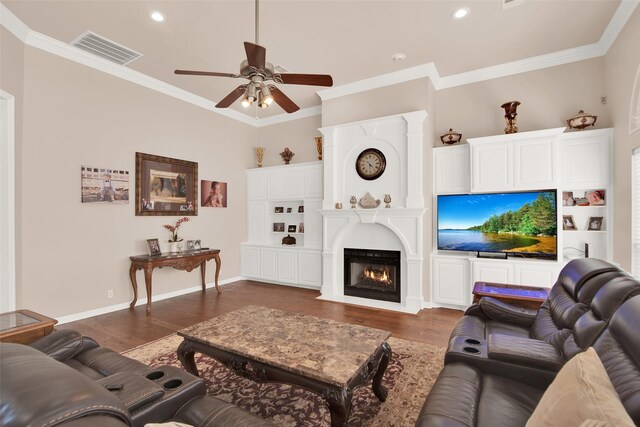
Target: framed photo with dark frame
(165, 186)
(279, 209)
(291, 229)
(278, 227)
(595, 223)
(154, 247)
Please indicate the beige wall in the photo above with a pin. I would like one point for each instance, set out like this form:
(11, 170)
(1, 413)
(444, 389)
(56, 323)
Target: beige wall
(621, 63)
(73, 253)
(297, 135)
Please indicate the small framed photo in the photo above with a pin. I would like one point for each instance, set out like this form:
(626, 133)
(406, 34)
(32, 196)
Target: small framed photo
(567, 198)
(301, 227)
(197, 245)
(289, 210)
(278, 227)
(191, 245)
(300, 209)
(154, 247)
(291, 229)
(595, 197)
(279, 209)
(595, 223)
(568, 222)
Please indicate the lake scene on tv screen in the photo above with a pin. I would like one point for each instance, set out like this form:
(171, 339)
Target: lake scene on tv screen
(502, 222)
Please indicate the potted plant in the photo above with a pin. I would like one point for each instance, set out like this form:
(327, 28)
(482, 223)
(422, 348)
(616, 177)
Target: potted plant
(174, 241)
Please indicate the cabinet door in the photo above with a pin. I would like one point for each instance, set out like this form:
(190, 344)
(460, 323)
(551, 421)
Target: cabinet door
(451, 169)
(491, 166)
(312, 224)
(310, 268)
(294, 183)
(536, 275)
(257, 217)
(451, 281)
(268, 264)
(494, 272)
(256, 185)
(250, 261)
(534, 164)
(313, 182)
(275, 184)
(287, 265)
(586, 161)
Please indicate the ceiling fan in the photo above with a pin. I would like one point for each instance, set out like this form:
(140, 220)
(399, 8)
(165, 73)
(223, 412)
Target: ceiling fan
(258, 71)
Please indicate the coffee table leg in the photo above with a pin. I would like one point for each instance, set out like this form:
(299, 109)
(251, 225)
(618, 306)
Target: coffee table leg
(378, 389)
(339, 405)
(185, 355)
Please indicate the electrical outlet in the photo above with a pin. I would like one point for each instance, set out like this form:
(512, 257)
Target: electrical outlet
(110, 293)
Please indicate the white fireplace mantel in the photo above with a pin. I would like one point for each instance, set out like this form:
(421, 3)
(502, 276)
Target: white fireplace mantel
(400, 138)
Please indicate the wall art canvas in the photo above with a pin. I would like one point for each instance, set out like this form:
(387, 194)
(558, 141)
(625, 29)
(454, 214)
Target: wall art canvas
(104, 185)
(213, 194)
(165, 186)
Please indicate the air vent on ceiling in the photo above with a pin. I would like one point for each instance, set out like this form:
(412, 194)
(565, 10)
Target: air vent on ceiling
(507, 4)
(105, 48)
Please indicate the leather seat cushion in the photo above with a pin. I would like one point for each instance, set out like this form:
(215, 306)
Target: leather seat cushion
(504, 402)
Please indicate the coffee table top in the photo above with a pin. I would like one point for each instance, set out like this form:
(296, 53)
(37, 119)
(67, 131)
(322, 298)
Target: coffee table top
(322, 349)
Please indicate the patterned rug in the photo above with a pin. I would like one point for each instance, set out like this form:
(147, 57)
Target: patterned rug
(409, 377)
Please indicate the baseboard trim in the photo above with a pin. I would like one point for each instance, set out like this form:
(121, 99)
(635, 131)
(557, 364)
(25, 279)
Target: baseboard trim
(273, 282)
(141, 301)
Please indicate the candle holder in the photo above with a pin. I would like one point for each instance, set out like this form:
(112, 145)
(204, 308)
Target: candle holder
(319, 146)
(510, 116)
(260, 155)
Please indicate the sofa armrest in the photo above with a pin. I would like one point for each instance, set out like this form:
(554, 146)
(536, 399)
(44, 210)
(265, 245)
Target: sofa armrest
(524, 351)
(64, 344)
(503, 312)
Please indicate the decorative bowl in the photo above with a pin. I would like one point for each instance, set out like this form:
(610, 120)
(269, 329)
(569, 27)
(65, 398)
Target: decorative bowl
(451, 137)
(581, 121)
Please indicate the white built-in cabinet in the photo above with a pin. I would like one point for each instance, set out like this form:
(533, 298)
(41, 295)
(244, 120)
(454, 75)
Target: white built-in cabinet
(290, 195)
(574, 162)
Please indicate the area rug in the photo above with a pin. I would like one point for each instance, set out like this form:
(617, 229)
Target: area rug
(409, 377)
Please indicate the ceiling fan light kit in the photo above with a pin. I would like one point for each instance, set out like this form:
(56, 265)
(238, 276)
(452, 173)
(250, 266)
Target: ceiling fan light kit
(258, 71)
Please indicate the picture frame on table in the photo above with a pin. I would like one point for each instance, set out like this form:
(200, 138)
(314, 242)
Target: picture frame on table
(169, 185)
(289, 210)
(595, 223)
(197, 244)
(279, 209)
(154, 247)
(291, 229)
(278, 227)
(191, 245)
(568, 223)
(301, 209)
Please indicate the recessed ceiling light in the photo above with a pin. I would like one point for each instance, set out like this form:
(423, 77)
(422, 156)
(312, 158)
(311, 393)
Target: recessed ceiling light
(157, 16)
(460, 13)
(399, 57)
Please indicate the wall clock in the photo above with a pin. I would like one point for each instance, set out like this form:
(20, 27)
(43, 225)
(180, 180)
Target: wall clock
(370, 164)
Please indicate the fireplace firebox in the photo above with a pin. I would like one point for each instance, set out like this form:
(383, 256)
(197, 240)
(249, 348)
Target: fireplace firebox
(372, 273)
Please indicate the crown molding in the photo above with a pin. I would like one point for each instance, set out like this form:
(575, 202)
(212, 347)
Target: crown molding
(429, 70)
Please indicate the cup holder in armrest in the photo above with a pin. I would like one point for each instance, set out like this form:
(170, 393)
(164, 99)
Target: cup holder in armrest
(155, 375)
(468, 341)
(471, 350)
(171, 384)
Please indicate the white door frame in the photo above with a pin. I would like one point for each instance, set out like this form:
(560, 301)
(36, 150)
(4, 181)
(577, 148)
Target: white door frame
(7, 203)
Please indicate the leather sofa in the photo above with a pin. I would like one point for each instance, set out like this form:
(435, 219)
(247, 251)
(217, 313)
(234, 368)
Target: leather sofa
(496, 374)
(67, 379)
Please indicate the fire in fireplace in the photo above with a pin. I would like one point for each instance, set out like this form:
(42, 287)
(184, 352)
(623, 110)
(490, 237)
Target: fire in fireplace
(373, 274)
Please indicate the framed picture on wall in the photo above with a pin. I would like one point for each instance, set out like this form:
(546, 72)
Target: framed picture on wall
(214, 194)
(165, 186)
(104, 185)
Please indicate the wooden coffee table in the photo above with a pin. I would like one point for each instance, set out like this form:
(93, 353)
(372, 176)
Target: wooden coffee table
(24, 326)
(327, 357)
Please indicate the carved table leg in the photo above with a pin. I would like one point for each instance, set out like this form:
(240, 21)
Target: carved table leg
(378, 389)
(185, 355)
(134, 284)
(217, 259)
(339, 405)
(203, 270)
(148, 271)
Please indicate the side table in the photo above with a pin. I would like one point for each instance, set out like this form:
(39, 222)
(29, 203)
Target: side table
(24, 326)
(519, 295)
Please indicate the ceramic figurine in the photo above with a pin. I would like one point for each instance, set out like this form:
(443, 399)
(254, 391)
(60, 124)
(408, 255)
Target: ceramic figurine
(387, 200)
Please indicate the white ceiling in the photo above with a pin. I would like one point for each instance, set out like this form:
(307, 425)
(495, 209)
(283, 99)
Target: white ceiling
(351, 40)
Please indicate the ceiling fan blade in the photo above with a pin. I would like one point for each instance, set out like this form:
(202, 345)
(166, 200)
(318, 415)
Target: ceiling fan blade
(256, 55)
(232, 97)
(205, 73)
(283, 100)
(304, 79)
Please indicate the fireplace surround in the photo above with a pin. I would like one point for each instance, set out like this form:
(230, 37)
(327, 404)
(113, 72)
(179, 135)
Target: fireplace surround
(372, 273)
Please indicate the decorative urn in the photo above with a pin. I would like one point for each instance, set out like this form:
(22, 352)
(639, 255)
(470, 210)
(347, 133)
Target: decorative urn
(581, 121)
(451, 137)
(287, 155)
(288, 240)
(510, 116)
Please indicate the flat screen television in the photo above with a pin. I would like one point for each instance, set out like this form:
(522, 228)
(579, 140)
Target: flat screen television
(520, 224)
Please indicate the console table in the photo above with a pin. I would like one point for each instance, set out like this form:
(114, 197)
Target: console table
(187, 260)
(519, 295)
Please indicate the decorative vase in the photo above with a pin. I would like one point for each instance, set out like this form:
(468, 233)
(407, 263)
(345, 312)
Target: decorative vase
(174, 247)
(287, 155)
(387, 200)
(260, 155)
(353, 202)
(510, 116)
(319, 146)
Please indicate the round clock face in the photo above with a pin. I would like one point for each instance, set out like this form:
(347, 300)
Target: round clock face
(370, 164)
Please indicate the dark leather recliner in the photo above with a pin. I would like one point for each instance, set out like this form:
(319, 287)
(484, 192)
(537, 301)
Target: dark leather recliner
(466, 395)
(140, 394)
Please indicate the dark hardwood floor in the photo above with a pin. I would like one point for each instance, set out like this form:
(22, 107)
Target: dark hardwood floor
(125, 329)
